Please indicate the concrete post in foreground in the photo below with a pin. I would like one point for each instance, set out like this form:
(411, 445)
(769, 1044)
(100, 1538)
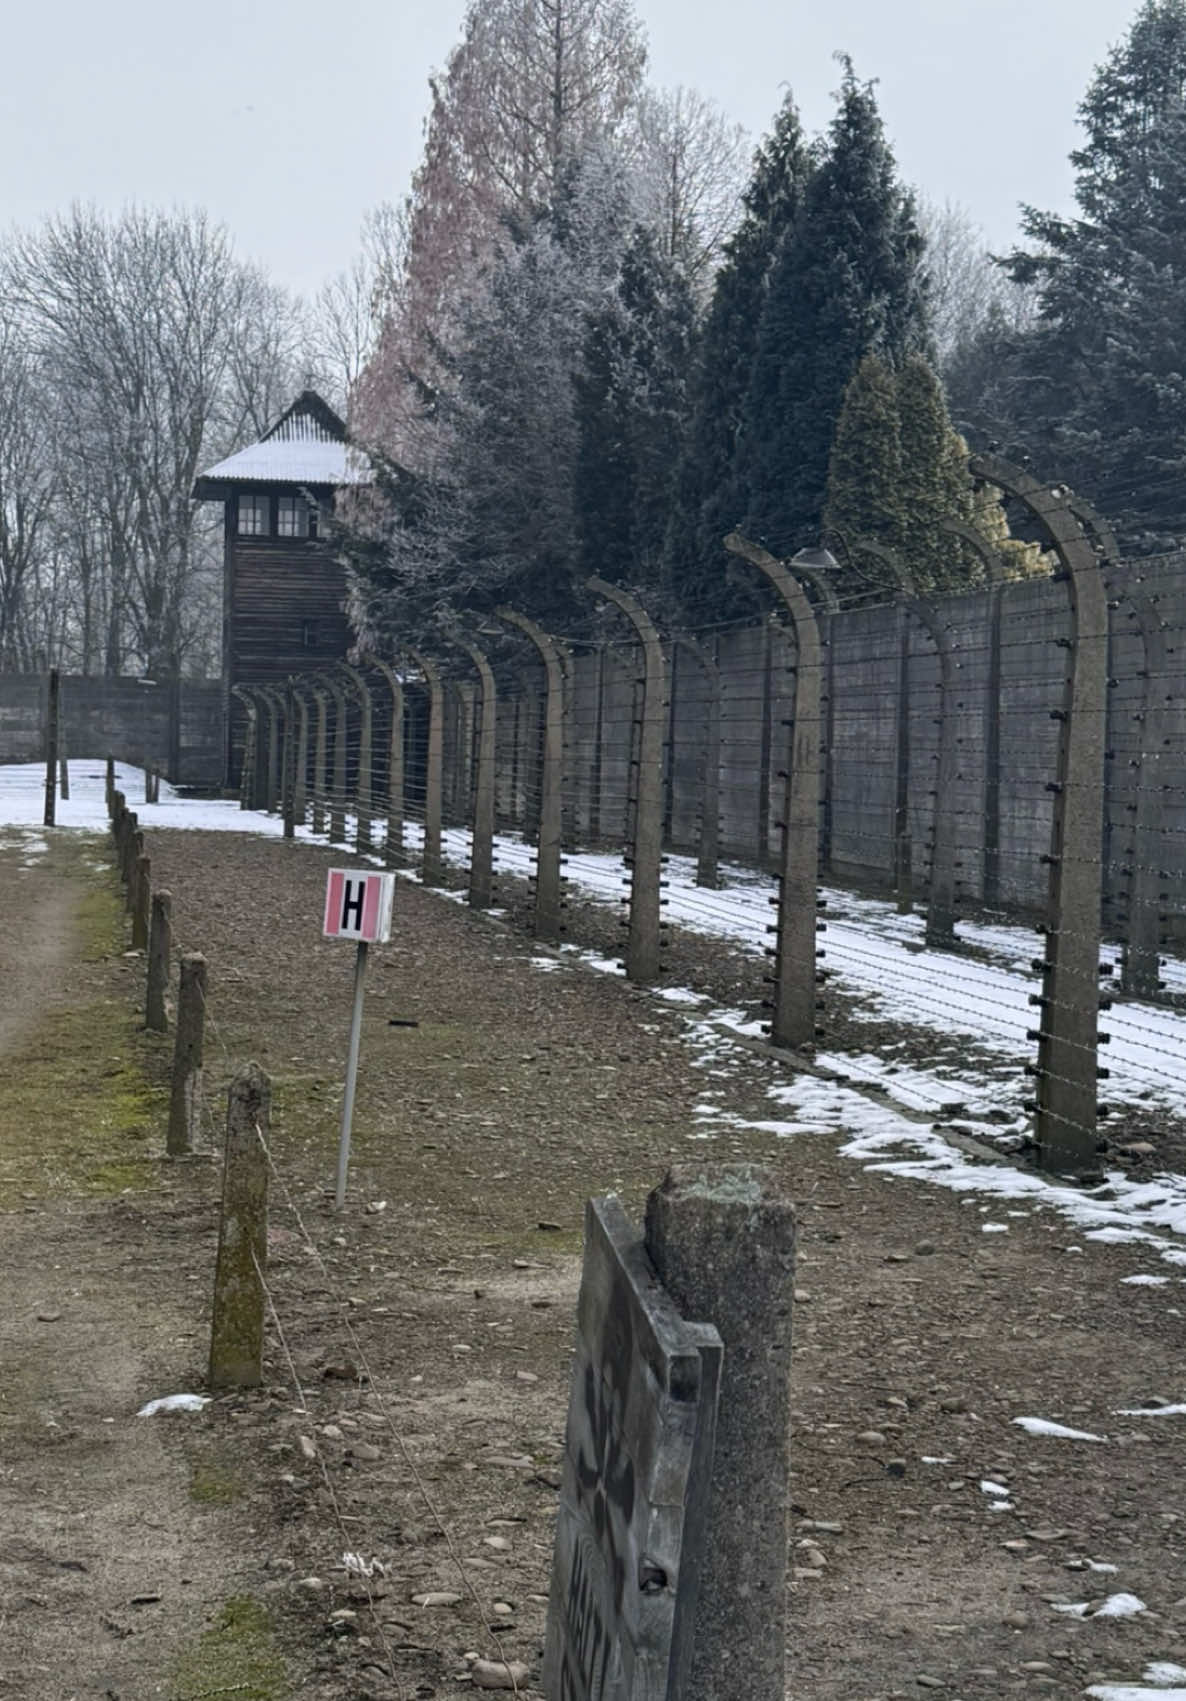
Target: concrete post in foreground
(186, 1096)
(1067, 1109)
(432, 867)
(723, 1243)
(160, 951)
(481, 862)
(551, 799)
(53, 715)
(237, 1327)
(642, 949)
(794, 1005)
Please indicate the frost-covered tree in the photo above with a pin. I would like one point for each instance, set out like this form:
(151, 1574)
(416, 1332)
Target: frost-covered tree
(27, 492)
(692, 167)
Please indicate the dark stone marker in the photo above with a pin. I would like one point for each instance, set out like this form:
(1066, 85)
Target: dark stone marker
(637, 1467)
(723, 1242)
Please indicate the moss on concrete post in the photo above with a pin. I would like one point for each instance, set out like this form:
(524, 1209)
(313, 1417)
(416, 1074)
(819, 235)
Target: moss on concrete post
(237, 1331)
(723, 1242)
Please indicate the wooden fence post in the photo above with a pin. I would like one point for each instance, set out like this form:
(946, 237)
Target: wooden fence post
(141, 903)
(794, 1004)
(160, 954)
(237, 1328)
(185, 1097)
(53, 713)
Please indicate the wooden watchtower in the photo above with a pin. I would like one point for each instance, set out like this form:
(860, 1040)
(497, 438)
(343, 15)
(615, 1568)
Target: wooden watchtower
(284, 593)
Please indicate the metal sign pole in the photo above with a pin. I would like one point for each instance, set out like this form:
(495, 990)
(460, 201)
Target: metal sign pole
(360, 968)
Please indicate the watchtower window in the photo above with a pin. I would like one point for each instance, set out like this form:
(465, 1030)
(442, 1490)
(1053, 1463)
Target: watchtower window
(254, 516)
(292, 517)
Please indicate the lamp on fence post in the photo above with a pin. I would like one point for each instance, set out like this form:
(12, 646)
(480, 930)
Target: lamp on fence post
(1066, 1101)
(794, 1003)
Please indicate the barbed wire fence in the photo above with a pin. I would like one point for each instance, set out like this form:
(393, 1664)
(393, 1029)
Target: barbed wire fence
(1012, 752)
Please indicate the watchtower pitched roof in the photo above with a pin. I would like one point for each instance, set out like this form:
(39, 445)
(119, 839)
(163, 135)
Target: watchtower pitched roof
(307, 446)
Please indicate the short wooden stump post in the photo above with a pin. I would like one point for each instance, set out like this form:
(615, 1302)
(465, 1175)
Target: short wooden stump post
(160, 951)
(237, 1330)
(723, 1243)
(185, 1098)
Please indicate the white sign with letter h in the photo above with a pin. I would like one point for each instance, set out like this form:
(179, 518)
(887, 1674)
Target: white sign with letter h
(358, 905)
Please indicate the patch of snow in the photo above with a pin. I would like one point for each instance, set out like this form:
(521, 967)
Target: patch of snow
(1152, 1411)
(1143, 1281)
(174, 1403)
(1120, 1606)
(994, 1228)
(1043, 1426)
(989, 1487)
(545, 965)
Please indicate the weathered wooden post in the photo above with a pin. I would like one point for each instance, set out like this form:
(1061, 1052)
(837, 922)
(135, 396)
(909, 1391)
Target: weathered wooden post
(109, 786)
(642, 949)
(994, 574)
(432, 865)
(133, 850)
(551, 794)
(394, 841)
(485, 709)
(63, 764)
(363, 778)
(52, 718)
(1066, 1107)
(185, 1098)
(722, 1239)
(708, 849)
(237, 1328)
(794, 1003)
(160, 953)
(1140, 967)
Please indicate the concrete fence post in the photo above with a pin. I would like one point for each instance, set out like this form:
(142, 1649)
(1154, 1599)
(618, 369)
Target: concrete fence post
(432, 866)
(250, 747)
(363, 779)
(722, 1240)
(708, 848)
(394, 840)
(160, 955)
(52, 727)
(109, 785)
(320, 813)
(1066, 1106)
(186, 1093)
(794, 1003)
(141, 903)
(237, 1327)
(642, 950)
(133, 849)
(1140, 964)
(994, 575)
(289, 761)
(337, 796)
(551, 798)
(272, 781)
(485, 709)
(300, 785)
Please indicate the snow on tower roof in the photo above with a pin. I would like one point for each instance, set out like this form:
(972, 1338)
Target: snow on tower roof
(306, 446)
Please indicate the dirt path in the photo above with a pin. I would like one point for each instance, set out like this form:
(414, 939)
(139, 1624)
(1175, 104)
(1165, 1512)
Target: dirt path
(415, 1403)
(35, 937)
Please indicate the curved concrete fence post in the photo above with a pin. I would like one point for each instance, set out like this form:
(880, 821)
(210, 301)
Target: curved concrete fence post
(432, 865)
(642, 949)
(394, 843)
(551, 791)
(995, 581)
(1140, 967)
(250, 747)
(1066, 1106)
(794, 1004)
(337, 784)
(363, 781)
(485, 709)
(300, 789)
(273, 708)
(708, 845)
(320, 813)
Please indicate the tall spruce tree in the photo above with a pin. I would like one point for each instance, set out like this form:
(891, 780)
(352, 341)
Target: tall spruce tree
(707, 503)
(847, 282)
(1103, 404)
(631, 416)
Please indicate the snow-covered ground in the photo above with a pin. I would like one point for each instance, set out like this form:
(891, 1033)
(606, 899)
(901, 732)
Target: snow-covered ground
(976, 1006)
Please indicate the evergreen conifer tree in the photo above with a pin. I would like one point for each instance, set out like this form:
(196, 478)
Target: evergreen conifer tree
(865, 468)
(846, 282)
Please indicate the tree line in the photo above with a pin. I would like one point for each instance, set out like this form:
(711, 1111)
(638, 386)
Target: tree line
(595, 335)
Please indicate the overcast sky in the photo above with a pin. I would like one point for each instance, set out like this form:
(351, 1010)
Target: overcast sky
(287, 119)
